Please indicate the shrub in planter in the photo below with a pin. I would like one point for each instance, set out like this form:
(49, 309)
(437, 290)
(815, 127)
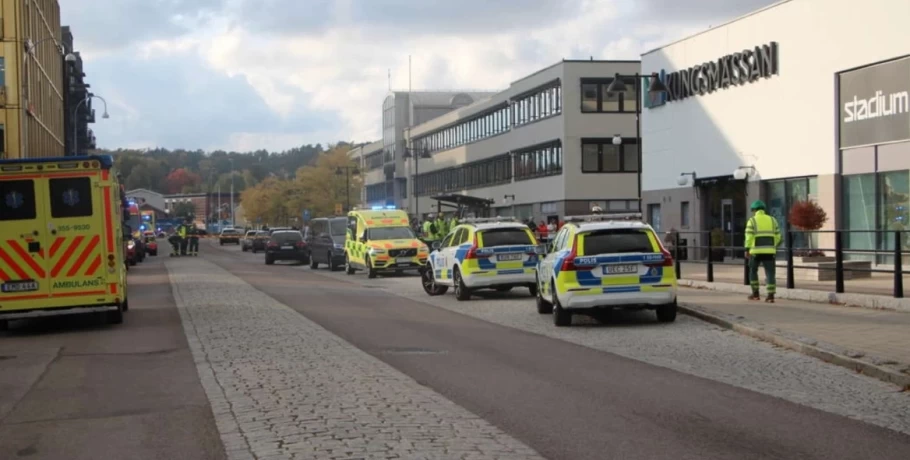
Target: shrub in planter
(807, 215)
(808, 253)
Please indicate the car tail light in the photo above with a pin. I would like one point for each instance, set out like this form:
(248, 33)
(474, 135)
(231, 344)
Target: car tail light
(668, 259)
(300, 245)
(472, 252)
(273, 245)
(568, 264)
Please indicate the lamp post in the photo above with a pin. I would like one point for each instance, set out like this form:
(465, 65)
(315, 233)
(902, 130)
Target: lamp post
(76, 122)
(656, 87)
(347, 171)
(232, 192)
(416, 153)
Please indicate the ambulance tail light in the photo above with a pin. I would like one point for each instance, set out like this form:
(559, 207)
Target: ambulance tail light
(568, 264)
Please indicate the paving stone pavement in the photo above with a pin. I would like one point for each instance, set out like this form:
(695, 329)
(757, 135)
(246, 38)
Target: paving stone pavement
(283, 387)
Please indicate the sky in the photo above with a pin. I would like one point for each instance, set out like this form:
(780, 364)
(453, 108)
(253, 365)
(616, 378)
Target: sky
(243, 75)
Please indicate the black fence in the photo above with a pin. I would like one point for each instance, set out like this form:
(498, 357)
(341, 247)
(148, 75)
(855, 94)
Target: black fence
(713, 249)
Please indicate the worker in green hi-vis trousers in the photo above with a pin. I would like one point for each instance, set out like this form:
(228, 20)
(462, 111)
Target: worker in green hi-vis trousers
(762, 240)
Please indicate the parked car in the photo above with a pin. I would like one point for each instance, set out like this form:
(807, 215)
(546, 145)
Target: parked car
(326, 241)
(230, 236)
(287, 245)
(260, 241)
(246, 243)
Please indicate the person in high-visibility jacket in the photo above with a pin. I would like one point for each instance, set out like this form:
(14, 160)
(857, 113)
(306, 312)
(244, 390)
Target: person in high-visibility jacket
(182, 230)
(193, 236)
(430, 231)
(762, 240)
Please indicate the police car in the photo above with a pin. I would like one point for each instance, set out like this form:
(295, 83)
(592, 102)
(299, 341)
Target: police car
(602, 262)
(490, 253)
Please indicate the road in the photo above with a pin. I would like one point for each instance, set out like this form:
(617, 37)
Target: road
(292, 363)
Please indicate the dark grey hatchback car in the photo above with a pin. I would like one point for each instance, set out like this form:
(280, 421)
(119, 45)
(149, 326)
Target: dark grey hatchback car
(287, 245)
(326, 242)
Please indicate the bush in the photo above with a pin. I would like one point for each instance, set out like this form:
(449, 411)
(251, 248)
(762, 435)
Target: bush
(807, 215)
(808, 253)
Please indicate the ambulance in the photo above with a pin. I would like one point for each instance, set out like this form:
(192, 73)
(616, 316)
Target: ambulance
(62, 238)
(380, 240)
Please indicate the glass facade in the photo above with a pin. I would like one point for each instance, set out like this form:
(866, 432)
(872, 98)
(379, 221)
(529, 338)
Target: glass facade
(782, 194)
(876, 202)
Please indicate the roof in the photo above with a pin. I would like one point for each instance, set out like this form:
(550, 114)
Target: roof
(106, 161)
(710, 28)
(489, 225)
(447, 98)
(609, 225)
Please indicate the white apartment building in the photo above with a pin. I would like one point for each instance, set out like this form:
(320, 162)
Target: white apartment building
(806, 99)
(542, 148)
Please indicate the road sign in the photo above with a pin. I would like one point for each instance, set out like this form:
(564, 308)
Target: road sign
(338, 209)
(306, 214)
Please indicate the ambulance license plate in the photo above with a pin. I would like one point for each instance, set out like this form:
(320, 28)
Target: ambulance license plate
(507, 257)
(403, 261)
(620, 269)
(19, 286)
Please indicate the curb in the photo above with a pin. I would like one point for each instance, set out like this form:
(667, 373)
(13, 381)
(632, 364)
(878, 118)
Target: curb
(871, 301)
(804, 346)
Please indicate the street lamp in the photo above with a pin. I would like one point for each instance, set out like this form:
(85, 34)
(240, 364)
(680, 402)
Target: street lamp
(232, 191)
(75, 121)
(347, 171)
(683, 179)
(417, 153)
(743, 172)
(656, 87)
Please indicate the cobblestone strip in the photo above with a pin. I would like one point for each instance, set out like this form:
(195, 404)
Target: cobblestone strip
(281, 386)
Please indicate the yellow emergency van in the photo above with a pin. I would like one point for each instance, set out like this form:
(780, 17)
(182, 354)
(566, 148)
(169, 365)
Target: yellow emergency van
(61, 238)
(381, 240)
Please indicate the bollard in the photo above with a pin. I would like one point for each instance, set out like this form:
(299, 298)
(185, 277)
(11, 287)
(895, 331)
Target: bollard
(838, 263)
(790, 281)
(746, 270)
(898, 267)
(676, 256)
(710, 260)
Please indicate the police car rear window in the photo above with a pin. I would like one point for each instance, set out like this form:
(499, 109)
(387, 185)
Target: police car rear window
(17, 200)
(71, 197)
(505, 237)
(615, 241)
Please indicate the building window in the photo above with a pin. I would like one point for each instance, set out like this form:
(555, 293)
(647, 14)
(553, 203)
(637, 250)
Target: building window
(538, 161)
(596, 99)
(654, 216)
(684, 214)
(2, 71)
(540, 103)
(373, 161)
(601, 156)
(551, 207)
(483, 173)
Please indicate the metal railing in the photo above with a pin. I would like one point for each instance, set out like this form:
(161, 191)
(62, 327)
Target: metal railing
(717, 254)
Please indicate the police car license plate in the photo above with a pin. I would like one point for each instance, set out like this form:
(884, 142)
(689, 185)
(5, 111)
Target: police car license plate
(506, 257)
(403, 261)
(19, 286)
(620, 269)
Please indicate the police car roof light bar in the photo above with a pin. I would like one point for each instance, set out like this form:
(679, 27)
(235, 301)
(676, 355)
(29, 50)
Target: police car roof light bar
(481, 220)
(605, 217)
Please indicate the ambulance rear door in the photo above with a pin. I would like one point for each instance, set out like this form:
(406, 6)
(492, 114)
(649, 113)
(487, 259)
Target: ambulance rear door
(24, 273)
(76, 221)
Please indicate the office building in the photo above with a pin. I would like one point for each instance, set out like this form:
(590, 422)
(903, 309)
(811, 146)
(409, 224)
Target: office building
(78, 111)
(384, 173)
(803, 100)
(31, 80)
(554, 143)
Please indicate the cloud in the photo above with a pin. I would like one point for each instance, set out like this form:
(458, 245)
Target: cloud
(245, 74)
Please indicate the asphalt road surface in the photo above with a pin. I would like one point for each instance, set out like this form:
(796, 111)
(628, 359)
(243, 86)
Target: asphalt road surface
(564, 400)
(77, 388)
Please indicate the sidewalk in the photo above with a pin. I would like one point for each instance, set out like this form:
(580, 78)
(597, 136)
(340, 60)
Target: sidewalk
(878, 338)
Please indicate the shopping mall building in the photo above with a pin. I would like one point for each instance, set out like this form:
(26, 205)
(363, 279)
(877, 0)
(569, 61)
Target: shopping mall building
(804, 99)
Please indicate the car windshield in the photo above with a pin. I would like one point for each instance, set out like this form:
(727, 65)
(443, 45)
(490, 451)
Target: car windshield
(505, 237)
(615, 241)
(229, 232)
(250, 233)
(338, 227)
(390, 233)
(286, 237)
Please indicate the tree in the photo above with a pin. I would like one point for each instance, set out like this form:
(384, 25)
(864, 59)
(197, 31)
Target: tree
(322, 185)
(184, 209)
(181, 178)
(808, 216)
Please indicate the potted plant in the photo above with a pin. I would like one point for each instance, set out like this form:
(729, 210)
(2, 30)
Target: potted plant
(807, 216)
(717, 245)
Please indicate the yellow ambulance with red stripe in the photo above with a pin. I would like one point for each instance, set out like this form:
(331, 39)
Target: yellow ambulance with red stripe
(61, 238)
(380, 240)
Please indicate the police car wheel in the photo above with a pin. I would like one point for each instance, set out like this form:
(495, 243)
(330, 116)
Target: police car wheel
(561, 317)
(429, 283)
(461, 291)
(666, 313)
(543, 307)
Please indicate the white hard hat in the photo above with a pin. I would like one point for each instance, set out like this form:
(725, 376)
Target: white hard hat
(596, 208)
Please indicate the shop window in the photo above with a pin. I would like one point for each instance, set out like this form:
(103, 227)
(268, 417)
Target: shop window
(894, 196)
(684, 214)
(859, 210)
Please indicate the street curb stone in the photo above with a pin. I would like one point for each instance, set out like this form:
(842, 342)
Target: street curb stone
(872, 367)
(871, 301)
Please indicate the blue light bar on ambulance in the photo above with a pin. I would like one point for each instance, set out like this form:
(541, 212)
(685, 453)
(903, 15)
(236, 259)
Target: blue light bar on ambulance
(142, 227)
(146, 217)
(391, 206)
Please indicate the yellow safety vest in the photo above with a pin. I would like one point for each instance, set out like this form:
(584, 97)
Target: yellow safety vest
(762, 234)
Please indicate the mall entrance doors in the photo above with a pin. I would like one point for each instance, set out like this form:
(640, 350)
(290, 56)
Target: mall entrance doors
(724, 212)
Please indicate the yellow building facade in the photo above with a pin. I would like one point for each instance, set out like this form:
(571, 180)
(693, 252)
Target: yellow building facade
(31, 79)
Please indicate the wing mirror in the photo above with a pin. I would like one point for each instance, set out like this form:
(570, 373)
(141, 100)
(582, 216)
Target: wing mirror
(541, 249)
(363, 239)
(436, 245)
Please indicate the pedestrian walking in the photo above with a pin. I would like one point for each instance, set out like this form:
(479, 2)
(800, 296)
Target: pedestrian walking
(193, 237)
(762, 240)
